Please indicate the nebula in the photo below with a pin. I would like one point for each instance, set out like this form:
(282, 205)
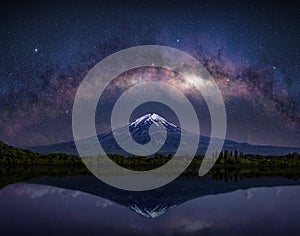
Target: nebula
(42, 65)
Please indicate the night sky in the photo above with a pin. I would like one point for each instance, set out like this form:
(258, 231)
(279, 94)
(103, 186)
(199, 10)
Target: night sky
(251, 49)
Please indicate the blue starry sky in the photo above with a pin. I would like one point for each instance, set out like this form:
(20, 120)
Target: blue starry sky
(47, 47)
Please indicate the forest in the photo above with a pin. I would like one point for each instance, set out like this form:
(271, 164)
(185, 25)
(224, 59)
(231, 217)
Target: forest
(13, 156)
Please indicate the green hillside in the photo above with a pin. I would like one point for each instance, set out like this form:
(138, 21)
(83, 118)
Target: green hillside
(10, 155)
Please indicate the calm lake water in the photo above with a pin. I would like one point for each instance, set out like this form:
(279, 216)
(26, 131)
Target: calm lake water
(82, 205)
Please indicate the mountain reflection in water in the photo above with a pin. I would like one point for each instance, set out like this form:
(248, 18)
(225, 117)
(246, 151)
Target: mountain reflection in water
(82, 205)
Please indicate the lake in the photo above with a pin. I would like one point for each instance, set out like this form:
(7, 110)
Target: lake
(82, 205)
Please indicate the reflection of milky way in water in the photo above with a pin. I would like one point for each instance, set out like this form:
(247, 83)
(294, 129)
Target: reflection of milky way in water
(41, 70)
(62, 210)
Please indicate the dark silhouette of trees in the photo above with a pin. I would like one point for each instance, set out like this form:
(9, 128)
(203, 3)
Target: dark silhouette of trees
(10, 156)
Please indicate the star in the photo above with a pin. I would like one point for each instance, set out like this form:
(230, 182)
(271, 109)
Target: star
(256, 73)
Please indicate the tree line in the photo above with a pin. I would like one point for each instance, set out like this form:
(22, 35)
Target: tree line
(10, 155)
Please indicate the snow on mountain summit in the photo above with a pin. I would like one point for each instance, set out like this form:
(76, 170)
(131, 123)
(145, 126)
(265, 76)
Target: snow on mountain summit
(152, 118)
(139, 129)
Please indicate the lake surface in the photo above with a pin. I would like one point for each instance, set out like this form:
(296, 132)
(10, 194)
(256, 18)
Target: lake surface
(82, 205)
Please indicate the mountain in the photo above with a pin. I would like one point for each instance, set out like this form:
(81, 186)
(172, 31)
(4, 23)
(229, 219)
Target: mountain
(139, 130)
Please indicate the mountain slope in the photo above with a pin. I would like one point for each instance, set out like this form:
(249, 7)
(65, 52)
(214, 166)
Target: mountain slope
(139, 130)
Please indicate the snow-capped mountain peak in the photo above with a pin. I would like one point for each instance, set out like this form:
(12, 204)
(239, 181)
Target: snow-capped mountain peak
(152, 118)
(139, 129)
